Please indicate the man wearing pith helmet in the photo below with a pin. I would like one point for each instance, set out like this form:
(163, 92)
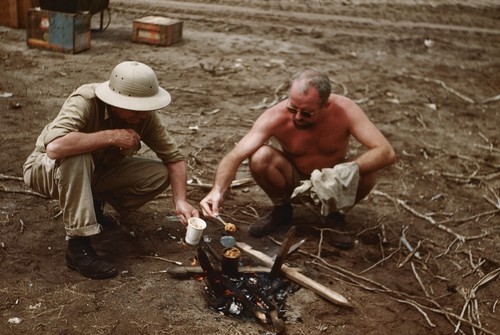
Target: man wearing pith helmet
(86, 157)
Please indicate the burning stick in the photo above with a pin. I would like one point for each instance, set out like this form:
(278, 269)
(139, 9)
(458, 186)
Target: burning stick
(296, 276)
(242, 293)
(259, 315)
(184, 271)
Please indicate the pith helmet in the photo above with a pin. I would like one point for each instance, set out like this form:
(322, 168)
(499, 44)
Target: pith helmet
(133, 86)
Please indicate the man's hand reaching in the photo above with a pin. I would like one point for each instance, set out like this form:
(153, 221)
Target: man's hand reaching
(212, 203)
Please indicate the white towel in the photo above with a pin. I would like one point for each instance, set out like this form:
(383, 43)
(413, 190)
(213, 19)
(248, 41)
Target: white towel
(334, 188)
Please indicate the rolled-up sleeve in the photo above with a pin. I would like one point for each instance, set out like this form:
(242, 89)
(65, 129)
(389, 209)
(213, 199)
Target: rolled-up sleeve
(70, 119)
(78, 113)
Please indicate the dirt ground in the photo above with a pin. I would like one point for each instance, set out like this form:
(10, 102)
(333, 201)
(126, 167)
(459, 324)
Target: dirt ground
(426, 72)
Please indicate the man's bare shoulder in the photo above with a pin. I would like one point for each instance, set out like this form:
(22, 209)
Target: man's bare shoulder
(343, 105)
(273, 116)
(341, 101)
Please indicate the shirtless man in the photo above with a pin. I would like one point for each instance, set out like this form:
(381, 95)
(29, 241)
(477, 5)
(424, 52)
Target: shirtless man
(313, 128)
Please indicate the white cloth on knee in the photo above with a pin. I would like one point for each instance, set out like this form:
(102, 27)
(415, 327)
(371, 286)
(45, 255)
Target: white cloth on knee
(334, 188)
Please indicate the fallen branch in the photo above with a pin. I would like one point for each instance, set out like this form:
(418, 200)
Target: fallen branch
(487, 147)
(265, 105)
(234, 183)
(471, 294)
(420, 310)
(467, 179)
(413, 252)
(419, 215)
(407, 244)
(496, 202)
(5, 177)
(440, 82)
(297, 277)
(447, 249)
(377, 287)
(415, 273)
(345, 92)
(473, 217)
(492, 99)
(187, 90)
(21, 230)
(472, 159)
(24, 192)
(380, 261)
(163, 259)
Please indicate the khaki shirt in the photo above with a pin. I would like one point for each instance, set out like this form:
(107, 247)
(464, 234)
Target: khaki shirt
(84, 112)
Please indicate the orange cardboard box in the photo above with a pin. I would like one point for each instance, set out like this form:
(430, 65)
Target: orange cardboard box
(157, 30)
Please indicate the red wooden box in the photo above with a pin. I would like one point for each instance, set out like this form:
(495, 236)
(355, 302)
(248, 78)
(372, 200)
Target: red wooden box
(13, 13)
(157, 30)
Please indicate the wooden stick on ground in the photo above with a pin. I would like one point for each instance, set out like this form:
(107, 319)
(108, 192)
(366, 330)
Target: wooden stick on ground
(6, 177)
(297, 277)
(23, 192)
(422, 216)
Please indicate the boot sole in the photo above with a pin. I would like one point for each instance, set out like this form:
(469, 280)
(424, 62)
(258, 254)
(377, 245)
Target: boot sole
(105, 275)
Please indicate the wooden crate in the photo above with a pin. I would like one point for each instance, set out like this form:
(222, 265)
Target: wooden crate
(13, 13)
(157, 30)
(58, 31)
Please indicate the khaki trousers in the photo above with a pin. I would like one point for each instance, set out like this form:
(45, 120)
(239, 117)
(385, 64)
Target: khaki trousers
(76, 183)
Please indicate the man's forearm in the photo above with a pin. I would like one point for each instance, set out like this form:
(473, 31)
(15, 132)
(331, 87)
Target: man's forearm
(226, 172)
(375, 159)
(178, 178)
(77, 143)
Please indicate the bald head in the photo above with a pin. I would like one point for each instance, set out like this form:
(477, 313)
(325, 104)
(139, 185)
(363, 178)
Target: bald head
(310, 78)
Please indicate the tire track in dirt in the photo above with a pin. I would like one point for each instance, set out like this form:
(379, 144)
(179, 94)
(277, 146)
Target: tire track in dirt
(276, 17)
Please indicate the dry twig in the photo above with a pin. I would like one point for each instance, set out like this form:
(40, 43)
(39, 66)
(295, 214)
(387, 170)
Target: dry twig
(234, 183)
(492, 99)
(163, 259)
(5, 190)
(442, 83)
(470, 296)
(419, 280)
(413, 252)
(422, 216)
(395, 295)
(381, 261)
(6, 177)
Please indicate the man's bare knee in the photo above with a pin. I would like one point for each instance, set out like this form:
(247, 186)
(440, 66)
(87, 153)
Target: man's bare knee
(261, 158)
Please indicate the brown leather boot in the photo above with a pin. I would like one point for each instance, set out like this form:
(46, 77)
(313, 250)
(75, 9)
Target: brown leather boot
(81, 257)
(280, 216)
(338, 239)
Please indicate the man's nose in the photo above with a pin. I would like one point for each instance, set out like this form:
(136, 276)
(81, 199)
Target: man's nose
(298, 116)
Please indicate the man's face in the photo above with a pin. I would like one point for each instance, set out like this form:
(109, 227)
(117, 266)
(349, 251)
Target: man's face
(302, 118)
(304, 107)
(127, 115)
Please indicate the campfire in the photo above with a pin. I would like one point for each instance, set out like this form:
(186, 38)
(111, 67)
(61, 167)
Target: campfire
(247, 295)
(253, 292)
